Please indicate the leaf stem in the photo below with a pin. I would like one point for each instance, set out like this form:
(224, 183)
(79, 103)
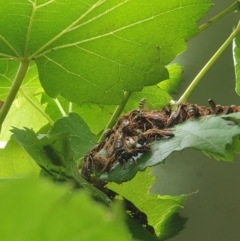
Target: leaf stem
(233, 7)
(51, 122)
(60, 107)
(116, 113)
(21, 72)
(184, 97)
(70, 107)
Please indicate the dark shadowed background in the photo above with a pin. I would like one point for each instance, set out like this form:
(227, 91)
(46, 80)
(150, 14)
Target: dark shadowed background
(214, 212)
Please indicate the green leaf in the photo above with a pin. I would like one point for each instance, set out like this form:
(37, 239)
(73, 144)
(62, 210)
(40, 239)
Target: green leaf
(175, 77)
(7, 73)
(92, 52)
(51, 107)
(22, 113)
(158, 208)
(80, 136)
(58, 214)
(51, 153)
(54, 155)
(156, 98)
(172, 226)
(210, 134)
(96, 116)
(26, 109)
(16, 162)
(236, 145)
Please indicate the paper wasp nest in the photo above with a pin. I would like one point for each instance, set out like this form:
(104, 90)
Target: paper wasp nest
(133, 132)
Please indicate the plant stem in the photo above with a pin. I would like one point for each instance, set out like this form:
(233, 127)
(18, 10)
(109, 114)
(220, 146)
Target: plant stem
(233, 7)
(21, 72)
(70, 107)
(116, 113)
(184, 97)
(51, 122)
(60, 107)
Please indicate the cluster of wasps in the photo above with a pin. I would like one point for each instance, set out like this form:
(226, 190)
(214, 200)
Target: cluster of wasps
(134, 131)
(131, 137)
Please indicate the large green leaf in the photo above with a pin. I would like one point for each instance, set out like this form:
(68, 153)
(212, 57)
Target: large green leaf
(96, 49)
(37, 210)
(211, 134)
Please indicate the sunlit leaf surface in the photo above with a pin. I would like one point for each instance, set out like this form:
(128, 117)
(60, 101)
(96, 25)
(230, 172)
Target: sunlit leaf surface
(16, 162)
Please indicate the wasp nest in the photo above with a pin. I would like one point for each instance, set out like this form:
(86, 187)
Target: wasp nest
(135, 130)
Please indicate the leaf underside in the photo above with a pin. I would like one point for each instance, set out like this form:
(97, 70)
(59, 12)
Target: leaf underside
(94, 50)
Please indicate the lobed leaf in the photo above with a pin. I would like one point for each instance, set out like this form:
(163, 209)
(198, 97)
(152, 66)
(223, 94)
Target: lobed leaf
(93, 51)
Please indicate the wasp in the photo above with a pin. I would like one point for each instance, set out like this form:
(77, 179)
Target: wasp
(107, 133)
(115, 144)
(212, 105)
(130, 142)
(167, 110)
(141, 105)
(119, 141)
(154, 134)
(154, 119)
(216, 109)
(124, 154)
(174, 116)
(230, 109)
(193, 111)
(87, 165)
